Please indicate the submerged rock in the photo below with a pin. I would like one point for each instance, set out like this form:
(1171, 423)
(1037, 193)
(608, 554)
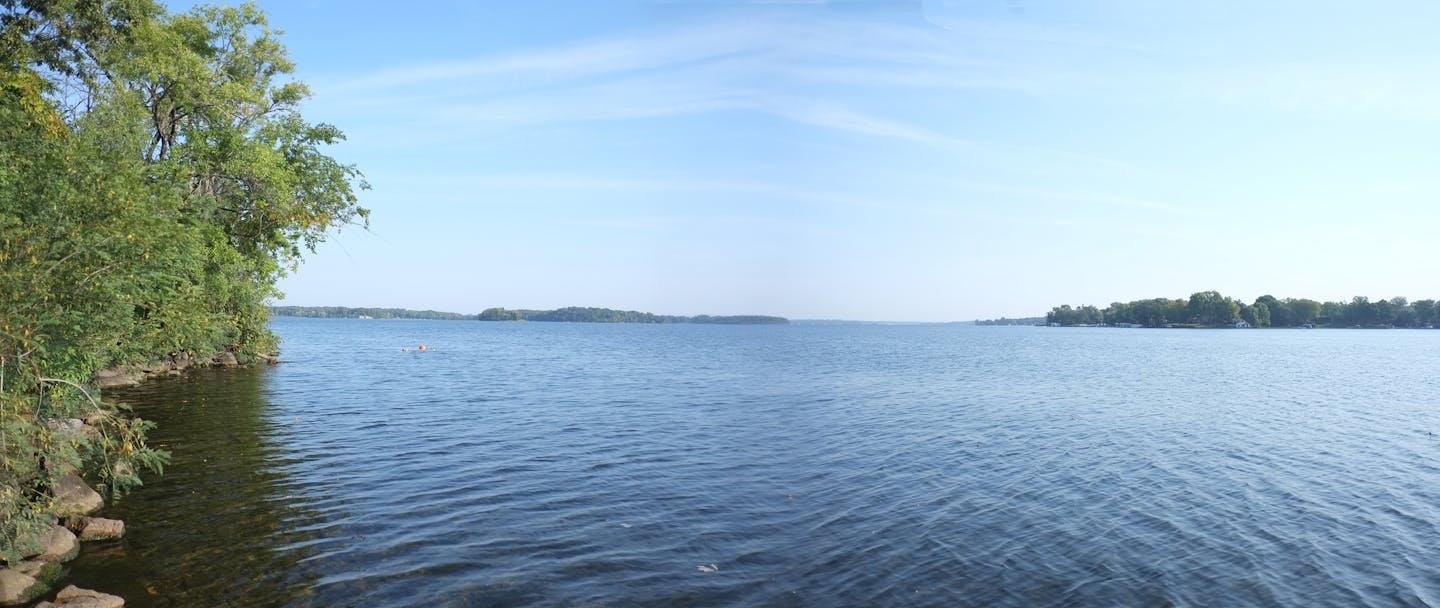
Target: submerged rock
(99, 528)
(73, 497)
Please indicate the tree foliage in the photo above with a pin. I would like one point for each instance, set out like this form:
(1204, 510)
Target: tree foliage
(156, 178)
(1211, 309)
(1008, 321)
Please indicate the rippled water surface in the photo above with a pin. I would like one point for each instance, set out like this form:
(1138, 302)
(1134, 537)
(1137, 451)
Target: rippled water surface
(806, 465)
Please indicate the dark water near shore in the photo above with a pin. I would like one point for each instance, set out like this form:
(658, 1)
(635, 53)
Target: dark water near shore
(854, 465)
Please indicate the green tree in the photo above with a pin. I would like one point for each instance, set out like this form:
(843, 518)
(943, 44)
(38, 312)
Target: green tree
(1280, 313)
(1211, 308)
(1303, 311)
(1118, 312)
(1384, 312)
(1177, 311)
(1406, 317)
(1260, 315)
(1150, 313)
(1424, 312)
(1360, 312)
(156, 178)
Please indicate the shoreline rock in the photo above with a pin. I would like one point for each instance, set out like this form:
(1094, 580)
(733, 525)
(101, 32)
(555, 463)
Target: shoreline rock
(31, 579)
(100, 528)
(120, 375)
(169, 365)
(73, 428)
(60, 545)
(18, 588)
(75, 597)
(74, 497)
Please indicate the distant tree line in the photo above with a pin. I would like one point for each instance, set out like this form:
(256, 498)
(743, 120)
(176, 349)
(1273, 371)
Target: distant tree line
(736, 320)
(1211, 309)
(1005, 321)
(576, 314)
(343, 312)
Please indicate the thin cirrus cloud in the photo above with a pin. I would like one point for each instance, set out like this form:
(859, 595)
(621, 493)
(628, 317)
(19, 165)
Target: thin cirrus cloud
(767, 68)
(607, 57)
(813, 75)
(1359, 88)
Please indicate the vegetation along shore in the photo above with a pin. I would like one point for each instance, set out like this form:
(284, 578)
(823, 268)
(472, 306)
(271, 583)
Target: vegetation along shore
(156, 178)
(1211, 309)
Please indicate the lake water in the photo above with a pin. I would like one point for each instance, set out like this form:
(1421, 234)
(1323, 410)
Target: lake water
(802, 465)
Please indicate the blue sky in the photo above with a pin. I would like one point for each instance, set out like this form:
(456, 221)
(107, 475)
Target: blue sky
(872, 160)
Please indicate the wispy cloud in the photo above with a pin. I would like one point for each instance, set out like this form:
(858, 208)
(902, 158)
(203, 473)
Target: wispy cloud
(1082, 197)
(835, 117)
(1392, 89)
(608, 57)
(762, 67)
(587, 183)
(861, 83)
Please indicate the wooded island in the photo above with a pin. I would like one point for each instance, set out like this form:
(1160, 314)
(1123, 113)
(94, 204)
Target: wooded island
(576, 314)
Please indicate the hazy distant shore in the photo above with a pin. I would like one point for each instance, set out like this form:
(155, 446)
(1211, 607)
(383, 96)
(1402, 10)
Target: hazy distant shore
(573, 314)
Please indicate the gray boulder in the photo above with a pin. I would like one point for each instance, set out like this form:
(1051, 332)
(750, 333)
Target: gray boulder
(226, 359)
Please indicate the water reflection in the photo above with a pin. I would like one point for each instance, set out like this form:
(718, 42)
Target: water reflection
(226, 524)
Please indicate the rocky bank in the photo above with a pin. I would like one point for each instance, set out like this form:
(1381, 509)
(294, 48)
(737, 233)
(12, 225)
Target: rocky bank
(36, 575)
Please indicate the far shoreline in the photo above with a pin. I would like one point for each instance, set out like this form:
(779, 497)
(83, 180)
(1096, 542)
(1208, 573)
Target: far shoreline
(572, 314)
